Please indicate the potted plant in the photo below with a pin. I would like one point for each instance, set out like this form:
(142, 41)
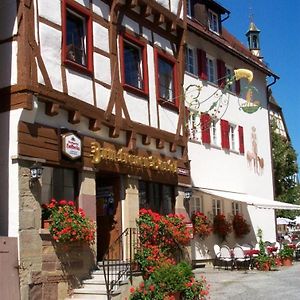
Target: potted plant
(201, 225)
(46, 216)
(221, 226)
(263, 261)
(286, 254)
(70, 224)
(171, 282)
(240, 225)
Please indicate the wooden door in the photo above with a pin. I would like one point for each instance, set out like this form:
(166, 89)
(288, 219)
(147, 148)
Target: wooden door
(109, 222)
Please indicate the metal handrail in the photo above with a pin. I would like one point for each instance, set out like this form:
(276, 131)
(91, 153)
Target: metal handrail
(118, 260)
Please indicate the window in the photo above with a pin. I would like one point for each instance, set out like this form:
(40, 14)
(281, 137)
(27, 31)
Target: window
(194, 126)
(133, 61)
(236, 208)
(216, 207)
(77, 36)
(166, 79)
(189, 8)
(229, 75)
(157, 197)
(213, 21)
(214, 132)
(196, 204)
(58, 183)
(211, 70)
(190, 61)
(233, 137)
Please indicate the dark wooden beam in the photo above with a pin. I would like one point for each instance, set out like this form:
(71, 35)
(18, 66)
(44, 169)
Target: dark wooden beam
(51, 109)
(74, 116)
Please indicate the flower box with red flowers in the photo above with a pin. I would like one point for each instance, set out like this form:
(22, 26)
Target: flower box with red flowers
(70, 224)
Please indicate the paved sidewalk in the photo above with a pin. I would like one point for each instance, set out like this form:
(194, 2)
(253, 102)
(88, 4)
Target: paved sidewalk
(283, 283)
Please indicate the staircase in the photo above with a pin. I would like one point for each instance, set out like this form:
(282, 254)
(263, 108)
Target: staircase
(111, 274)
(95, 286)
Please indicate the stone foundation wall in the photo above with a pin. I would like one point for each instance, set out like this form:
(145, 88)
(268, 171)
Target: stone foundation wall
(48, 270)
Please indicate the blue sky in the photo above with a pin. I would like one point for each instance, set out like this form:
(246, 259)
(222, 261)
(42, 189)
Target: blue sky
(279, 24)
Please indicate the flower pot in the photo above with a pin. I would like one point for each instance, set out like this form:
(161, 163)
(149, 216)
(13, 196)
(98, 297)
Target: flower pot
(287, 262)
(278, 262)
(174, 296)
(46, 224)
(265, 267)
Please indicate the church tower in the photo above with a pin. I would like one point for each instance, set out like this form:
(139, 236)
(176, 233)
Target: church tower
(253, 40)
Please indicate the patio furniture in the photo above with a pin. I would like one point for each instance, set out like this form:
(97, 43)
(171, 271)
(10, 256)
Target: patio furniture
(226, 257)
(240, 257)
(216, 261)
(252, 253)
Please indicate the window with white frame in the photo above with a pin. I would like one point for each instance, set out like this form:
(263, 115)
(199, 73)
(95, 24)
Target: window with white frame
(229, 74)
(216, 207)
(233, 137)
(213, 21)
(194, 126)
(189, 8)
(196, 204)
(211, 69)
(215, 132)
(190, 60)
(236, 208)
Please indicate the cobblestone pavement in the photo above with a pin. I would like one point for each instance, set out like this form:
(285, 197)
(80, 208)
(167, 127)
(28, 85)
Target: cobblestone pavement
(282, 283)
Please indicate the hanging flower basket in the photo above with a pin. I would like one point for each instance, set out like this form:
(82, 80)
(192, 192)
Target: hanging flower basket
(201, 225)
(240, 225)
(221, 226)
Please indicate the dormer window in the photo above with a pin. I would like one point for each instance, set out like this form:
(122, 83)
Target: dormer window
(213, 22)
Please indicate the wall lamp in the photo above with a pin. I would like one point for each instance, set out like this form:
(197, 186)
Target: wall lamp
(188, 193)
(36, 172)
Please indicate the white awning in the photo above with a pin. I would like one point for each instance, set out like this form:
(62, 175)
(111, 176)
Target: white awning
(250, 200)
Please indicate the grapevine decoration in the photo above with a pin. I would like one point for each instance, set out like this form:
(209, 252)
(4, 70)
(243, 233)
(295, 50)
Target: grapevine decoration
(217, 103)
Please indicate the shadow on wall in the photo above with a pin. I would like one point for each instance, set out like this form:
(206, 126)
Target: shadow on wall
(204, 249)
(76, 260)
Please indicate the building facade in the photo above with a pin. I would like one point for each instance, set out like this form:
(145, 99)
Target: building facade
(229, 141)
(91, 94)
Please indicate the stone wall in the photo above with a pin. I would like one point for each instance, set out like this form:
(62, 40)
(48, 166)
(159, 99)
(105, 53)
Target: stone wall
(48, 270)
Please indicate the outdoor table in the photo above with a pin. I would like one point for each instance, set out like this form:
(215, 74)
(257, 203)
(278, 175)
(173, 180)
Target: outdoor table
(250, 253)
(271, 249)
(292, 246)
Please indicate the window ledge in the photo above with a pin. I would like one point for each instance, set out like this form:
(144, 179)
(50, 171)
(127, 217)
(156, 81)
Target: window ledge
(136, 91)
(168, 104)
(77, 67)
(192, 74)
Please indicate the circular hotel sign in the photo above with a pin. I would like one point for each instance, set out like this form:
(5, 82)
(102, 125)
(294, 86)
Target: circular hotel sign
(71, 145)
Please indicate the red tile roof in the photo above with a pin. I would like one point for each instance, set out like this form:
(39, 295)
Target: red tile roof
(229, 43)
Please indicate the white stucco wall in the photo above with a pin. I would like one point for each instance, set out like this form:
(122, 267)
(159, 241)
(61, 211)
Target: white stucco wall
(9, 199)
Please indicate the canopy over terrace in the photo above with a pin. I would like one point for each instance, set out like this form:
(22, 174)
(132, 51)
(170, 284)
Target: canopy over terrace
(250, 200)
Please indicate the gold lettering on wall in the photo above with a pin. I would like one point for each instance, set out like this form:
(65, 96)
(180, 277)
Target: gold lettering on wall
(98, 154)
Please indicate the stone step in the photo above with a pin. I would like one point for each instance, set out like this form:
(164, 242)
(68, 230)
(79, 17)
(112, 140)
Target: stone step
(87, 297)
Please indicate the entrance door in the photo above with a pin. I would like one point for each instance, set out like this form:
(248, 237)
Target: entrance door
(109, 226)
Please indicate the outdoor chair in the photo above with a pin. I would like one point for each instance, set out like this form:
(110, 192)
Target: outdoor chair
(216, 261)
(240, 258)
(226, 257)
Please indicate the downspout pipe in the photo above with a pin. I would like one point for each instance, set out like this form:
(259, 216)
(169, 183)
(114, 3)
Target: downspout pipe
(271, 151)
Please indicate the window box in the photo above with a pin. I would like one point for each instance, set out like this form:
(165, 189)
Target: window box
(77, 37)
(133, 63)
(166, 80)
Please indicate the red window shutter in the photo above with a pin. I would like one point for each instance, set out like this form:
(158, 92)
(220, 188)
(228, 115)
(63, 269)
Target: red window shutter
(202, 65)
(205, 128)
(225, 134)
(237, 87)
(241, 139)
(221, 73)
